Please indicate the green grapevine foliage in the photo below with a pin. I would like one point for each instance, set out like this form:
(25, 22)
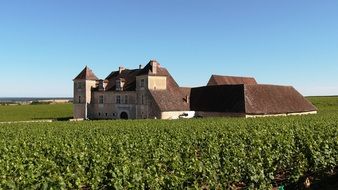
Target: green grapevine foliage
(184, 154)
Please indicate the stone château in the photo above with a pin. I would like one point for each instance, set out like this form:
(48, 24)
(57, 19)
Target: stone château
(150, 92)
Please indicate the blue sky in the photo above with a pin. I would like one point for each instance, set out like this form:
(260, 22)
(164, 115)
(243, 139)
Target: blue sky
(44, 44)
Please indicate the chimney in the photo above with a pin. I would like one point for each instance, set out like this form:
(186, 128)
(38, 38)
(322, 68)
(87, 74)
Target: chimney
(121, 69)
(154, 66)
(140, 66)
(101, 86)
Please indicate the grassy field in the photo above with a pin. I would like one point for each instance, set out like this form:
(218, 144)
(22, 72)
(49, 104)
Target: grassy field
(213, 153)
(325, 104)
(36, 112)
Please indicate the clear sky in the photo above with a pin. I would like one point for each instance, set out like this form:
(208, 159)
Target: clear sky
(44, 44)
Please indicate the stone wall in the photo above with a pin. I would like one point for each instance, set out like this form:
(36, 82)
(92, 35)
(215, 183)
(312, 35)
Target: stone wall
(157, 82)
(110, 109)
(82, 96)
(177, 114)
(282, 114)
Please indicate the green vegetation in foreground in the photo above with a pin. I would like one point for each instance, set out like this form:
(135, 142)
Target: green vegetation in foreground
(36, 112)
(210, 153)
(214, 153)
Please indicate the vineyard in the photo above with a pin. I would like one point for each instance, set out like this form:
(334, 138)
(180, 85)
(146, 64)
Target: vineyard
(35, 112)
(215, 153)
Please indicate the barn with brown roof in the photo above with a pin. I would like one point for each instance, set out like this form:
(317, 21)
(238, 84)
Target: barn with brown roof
(151, 92)
(249, 100)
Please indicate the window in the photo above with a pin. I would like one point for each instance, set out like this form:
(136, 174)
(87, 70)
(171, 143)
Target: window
(106, 114)
(80, 85)
(100, 99)
(126, 99)
(142, 83)
(99, 114)
(79, 99)
(142, 99)
(118, 85)
(118, 99)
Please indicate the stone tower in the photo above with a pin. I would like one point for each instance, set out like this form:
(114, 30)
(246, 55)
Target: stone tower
(83, 84)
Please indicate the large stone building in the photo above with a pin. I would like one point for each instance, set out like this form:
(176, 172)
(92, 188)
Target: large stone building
(151, 92)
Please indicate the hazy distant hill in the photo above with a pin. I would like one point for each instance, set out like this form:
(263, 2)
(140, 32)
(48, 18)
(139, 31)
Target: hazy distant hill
(31, 99)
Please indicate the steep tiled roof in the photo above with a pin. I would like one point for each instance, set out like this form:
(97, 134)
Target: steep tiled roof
(185, 91)
(272, 99)
(128, 75)
(226, 80)
(86, 74)
(249, 99)
(170, 100)
(147, 70)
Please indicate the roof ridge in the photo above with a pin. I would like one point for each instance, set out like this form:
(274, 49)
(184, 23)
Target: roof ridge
(215, 75)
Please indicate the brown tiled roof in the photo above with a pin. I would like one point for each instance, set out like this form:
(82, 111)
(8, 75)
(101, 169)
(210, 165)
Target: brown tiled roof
(227, 80)
(170, 100)
(130, 77)
(249, 99)
(86, 74)
(223, 98)
(147, 70)
(272, 99)
(185, 91)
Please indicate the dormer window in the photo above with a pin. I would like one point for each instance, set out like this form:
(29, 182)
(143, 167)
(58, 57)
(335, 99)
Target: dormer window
(142, 83)
(120, 84)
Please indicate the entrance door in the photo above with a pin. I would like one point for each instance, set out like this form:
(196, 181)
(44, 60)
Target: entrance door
(123, 115)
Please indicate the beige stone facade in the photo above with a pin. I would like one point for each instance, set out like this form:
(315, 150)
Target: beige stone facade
(126, 96)
(113, 104)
